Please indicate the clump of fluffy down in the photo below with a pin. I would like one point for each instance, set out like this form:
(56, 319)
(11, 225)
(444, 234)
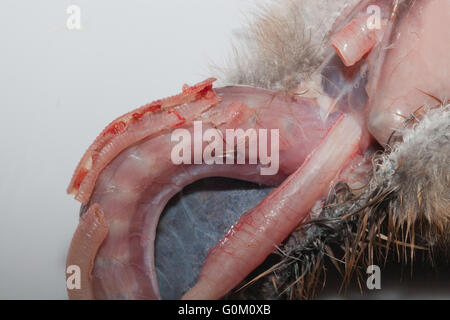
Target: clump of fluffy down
(283, 43)
(404, 208)
(418, 170)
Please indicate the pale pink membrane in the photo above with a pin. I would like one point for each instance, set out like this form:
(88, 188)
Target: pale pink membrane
(354, 41)
(135, 187)
(261, 230)
(89, 236)
(416, 61)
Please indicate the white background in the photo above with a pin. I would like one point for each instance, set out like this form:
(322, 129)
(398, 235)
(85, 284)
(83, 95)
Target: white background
(59, 88)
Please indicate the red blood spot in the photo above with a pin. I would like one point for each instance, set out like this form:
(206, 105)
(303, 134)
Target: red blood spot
(153, 107)
(137, 115)
(182, 120)
(204, 87)
(80, 177)
(210, 94)
(179, 124)
(116, 128)
(206, 92)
